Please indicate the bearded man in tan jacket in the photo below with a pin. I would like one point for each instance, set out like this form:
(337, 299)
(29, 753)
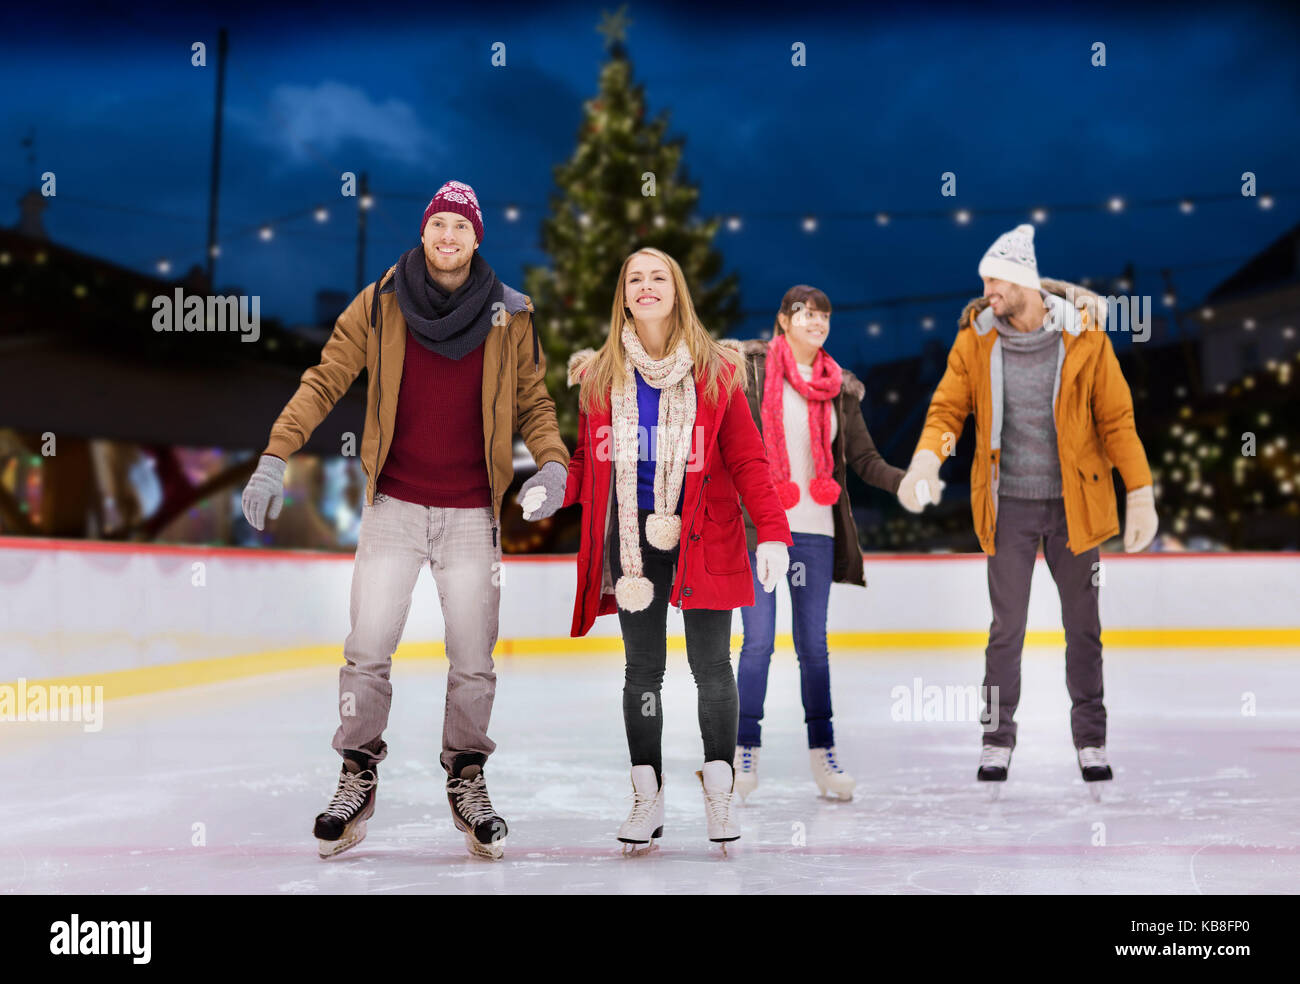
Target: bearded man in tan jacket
(454, 368)
(1053, 415)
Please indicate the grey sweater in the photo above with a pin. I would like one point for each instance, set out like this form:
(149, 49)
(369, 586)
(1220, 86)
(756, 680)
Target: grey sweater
(1030, 466)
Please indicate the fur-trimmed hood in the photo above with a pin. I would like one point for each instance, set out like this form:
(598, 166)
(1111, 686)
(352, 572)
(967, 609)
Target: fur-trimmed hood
(578, 363)
(1083, 312)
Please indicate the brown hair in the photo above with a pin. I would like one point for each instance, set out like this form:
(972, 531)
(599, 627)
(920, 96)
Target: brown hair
(800, 295)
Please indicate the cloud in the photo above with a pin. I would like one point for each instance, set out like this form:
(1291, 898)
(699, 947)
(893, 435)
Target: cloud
(307, 120)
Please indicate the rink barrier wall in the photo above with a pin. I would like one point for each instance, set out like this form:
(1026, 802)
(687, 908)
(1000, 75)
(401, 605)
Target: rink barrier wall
(139, 619)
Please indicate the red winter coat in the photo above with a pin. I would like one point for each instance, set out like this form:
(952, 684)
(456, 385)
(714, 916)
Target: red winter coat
(727, 456)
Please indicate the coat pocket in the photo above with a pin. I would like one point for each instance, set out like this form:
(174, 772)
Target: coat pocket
(1095, 493)
(724, 537)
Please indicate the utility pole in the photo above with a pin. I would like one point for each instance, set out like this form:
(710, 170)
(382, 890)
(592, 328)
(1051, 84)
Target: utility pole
(216, 159)
(363, 206)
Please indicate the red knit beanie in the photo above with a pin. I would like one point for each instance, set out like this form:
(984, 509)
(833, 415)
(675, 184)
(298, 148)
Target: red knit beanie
(458, 197)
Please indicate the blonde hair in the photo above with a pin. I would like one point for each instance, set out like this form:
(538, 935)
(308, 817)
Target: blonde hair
(605, 370)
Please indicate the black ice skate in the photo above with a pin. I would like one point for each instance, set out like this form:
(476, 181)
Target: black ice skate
(485, 832)
(995, 761)
(1095, 768)
(343, 824)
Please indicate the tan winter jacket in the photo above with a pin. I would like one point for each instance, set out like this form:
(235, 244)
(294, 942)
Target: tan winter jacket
(1093, 408)
(372, 336)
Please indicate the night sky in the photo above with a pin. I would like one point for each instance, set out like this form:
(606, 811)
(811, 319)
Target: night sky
(1190, 98)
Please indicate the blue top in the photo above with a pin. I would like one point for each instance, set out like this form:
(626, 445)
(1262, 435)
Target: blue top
(647, 415)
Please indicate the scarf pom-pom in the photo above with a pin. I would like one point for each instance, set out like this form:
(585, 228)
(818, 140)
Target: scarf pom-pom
(825, 491)
(664, 532)
(634, 594)
(788, 493)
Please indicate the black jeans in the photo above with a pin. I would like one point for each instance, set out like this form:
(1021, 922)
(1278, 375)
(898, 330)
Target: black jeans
(645, 642)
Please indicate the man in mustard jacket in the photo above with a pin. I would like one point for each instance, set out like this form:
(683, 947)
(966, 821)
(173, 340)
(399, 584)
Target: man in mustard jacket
(454, 368)
(1053, 415)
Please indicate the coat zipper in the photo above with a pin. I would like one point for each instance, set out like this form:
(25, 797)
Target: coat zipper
(379, 385)
(686, 549)
(492, 443)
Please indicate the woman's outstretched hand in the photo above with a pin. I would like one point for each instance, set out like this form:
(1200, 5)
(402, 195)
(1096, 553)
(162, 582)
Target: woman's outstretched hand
(773, 561)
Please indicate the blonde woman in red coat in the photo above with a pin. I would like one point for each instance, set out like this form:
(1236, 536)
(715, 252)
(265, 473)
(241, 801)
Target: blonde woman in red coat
(667, 450)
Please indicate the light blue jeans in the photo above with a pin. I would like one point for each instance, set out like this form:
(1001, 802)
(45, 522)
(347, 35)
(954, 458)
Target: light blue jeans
(397, 538)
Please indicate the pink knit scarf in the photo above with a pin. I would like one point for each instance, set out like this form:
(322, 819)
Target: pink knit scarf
(819, 392)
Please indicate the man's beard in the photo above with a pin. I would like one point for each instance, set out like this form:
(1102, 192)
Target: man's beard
(434, 268)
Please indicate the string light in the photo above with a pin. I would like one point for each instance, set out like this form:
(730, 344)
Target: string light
(1039, 215)
(321, 214)
(809, 223)
(265, 234)
(962, 216)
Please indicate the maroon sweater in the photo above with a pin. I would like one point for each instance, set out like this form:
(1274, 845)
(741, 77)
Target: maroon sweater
(436, 456)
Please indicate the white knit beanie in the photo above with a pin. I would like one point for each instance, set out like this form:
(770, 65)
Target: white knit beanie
(1011, 258)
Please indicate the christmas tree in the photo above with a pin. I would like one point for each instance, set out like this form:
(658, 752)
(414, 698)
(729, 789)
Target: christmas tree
(607, 206)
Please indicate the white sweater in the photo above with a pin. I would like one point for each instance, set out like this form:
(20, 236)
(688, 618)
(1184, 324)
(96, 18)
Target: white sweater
(806, 516)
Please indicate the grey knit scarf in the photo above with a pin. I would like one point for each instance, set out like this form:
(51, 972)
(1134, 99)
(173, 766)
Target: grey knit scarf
(452, 324)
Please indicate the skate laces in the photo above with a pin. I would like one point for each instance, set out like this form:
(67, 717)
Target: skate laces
(641, 806)
(1093, 757)
(717, 806)
(998, 756)
(472, 800)
(352, 792)
(827, 759)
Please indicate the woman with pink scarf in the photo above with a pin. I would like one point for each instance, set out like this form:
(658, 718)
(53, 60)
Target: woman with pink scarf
(810, 413)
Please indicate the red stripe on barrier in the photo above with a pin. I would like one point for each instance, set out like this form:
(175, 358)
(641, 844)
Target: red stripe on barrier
(279, 553)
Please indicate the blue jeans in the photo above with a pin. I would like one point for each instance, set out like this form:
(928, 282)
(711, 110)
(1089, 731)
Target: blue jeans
(812, 566)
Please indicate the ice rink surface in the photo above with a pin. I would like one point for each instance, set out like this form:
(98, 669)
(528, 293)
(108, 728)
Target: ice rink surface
(214, 790)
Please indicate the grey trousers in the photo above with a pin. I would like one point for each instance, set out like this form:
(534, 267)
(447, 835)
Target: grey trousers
(1021, 523)
(397, 538)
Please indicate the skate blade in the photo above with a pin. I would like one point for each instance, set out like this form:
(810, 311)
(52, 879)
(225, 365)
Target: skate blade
(1094, 789)
(994, 791)
(494, 851)
(636, 849)
(351, 838)
(827, 793)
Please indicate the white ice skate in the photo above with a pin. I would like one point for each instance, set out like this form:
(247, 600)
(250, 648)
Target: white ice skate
(718, 781)
(832, 781)
(646, 821)
(995, 762)
(746, 768)
(1095, 768)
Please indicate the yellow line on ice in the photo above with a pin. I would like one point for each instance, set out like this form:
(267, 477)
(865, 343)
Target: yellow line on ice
(195, 673)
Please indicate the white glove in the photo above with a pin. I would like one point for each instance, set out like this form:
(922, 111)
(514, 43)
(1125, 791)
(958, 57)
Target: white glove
(924, 468)
(1140, 523)
(773, 561)
(542, 494)
(532, 500)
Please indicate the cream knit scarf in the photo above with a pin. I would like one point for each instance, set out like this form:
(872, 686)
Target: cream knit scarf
(674, 376)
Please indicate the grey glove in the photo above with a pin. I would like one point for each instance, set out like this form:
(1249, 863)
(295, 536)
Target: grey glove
(550, 479)
(266, 487)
